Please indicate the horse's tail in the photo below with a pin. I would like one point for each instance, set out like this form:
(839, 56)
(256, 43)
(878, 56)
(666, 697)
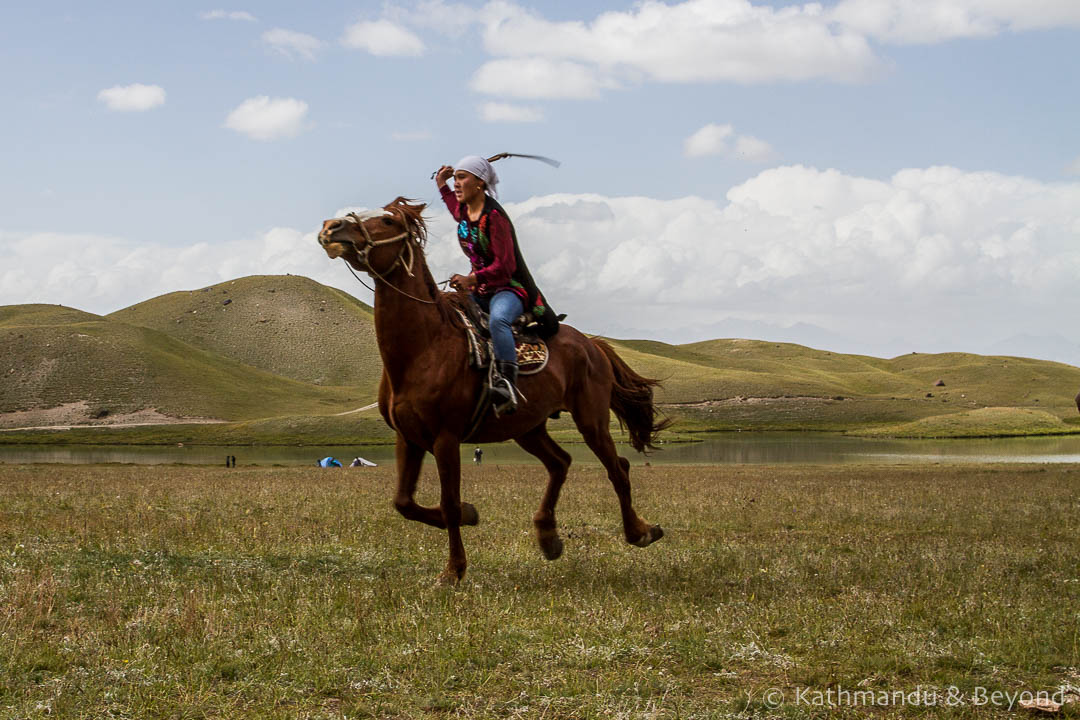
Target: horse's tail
(632, 401)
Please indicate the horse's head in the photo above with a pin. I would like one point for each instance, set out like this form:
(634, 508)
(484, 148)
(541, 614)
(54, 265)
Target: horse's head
(375, 241)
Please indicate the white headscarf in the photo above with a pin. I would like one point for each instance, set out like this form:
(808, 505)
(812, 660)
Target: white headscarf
(482, 169)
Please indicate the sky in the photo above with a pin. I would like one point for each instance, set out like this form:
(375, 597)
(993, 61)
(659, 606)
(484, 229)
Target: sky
(870, 176)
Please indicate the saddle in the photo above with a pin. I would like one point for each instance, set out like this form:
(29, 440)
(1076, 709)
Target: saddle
(532, 351)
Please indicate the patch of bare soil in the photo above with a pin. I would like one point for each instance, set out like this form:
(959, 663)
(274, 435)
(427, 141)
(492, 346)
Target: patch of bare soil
(739, 400)
(80, 413)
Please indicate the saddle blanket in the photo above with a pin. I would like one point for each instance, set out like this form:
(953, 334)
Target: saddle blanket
(532, 352)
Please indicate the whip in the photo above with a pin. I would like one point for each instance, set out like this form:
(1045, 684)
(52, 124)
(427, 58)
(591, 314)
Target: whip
(541, 158)
(500, 156)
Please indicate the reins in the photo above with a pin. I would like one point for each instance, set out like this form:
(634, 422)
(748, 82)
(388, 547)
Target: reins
(370, 244)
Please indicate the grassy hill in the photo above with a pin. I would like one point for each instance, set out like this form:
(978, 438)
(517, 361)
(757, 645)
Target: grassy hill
(267, 347)
(287, 325)
(54, 356)
(749, 384)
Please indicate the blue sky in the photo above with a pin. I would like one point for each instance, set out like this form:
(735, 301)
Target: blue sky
(837, 174)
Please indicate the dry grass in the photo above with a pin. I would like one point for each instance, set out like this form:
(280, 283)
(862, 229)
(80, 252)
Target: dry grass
(197, 592)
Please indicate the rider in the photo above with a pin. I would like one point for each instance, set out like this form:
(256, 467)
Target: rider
(499, 282)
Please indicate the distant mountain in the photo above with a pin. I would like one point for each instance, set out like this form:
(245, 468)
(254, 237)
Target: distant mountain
(1045, 347)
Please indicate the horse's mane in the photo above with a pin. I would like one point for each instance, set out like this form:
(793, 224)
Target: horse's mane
(410, 213)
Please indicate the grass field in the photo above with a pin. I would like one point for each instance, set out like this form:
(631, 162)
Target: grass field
(293, 593)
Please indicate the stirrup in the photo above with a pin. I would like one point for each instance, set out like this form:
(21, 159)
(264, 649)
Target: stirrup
(509, 405)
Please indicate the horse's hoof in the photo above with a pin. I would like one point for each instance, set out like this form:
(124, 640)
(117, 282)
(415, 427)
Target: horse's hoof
(552, 547)
(654, 533)
(449, 578)
(469, 515)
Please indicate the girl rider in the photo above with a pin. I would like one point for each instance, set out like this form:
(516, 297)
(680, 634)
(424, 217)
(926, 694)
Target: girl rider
(499, 282)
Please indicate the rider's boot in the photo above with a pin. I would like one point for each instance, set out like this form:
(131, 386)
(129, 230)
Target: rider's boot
(504, 389)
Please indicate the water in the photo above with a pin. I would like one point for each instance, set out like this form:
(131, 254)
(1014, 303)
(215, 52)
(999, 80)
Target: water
(719, 449)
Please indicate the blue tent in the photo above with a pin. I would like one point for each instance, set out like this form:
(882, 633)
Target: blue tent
(329, 462)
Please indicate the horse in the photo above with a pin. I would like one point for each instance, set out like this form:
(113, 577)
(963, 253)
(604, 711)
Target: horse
(428, 391)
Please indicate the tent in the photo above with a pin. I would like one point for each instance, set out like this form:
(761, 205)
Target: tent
(362, 462)
(329, 462)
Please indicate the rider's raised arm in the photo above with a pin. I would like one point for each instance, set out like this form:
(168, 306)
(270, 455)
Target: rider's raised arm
(451, 202)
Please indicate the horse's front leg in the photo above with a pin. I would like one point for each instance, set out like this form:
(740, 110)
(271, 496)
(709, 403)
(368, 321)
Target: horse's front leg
(455, 513)
(409, 460)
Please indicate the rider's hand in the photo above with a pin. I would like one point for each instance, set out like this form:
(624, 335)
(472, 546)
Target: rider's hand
(443, 174)
(463, 282)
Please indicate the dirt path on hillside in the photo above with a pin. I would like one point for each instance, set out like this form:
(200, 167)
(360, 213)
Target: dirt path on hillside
(350, 412)
(78, 414)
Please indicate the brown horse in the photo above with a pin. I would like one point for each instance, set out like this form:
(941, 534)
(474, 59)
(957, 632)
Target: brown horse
(428, 391)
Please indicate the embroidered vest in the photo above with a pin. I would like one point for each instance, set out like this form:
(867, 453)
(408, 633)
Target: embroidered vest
(521, 277)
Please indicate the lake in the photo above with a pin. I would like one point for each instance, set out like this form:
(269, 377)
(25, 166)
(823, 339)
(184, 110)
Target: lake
(717, 449)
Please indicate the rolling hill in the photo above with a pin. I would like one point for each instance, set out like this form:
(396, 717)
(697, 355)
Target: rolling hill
(287, 325)
(273, 347)
(54, 356)
(750, 384)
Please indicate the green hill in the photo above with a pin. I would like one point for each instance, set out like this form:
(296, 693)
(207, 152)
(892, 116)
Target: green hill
(750, 384)
(987, 422)
(270, 346)
(55, 356)
(287, 325)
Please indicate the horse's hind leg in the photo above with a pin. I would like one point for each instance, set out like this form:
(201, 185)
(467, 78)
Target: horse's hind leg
(557, 461)
(594, 429)
(410, 458)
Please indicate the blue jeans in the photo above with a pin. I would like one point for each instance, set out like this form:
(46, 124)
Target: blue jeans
(503, 309)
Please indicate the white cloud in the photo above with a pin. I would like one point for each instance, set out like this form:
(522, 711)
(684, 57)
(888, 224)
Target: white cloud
(692, 41)
(710, 41)
(932, 21)
(264, 118)
(124, 271)
(713, 139)
(450, 19)
(290, 42)
(382, 38)
(754, 150)
(940, 258)
(493, 112)
(536, 78)
(132, 98)
(227, 15)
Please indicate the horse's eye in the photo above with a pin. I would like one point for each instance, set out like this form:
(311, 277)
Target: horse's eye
(387, 221)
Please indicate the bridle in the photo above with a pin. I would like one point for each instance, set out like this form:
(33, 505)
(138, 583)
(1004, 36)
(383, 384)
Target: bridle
(408, 236)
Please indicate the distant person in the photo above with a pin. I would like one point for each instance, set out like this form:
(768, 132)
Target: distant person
(233, 459)
(478, 455)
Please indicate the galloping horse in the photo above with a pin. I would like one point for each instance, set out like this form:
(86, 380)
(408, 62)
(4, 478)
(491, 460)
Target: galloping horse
(428, 391)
